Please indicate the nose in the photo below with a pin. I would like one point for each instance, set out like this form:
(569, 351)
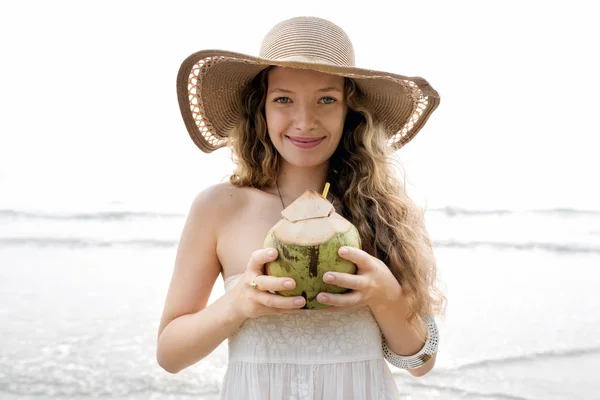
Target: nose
(305, 118)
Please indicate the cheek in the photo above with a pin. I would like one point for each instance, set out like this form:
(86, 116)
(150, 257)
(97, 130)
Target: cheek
(335, 122)
(275, 121)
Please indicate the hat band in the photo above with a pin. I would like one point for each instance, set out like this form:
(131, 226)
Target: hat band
(312, 59)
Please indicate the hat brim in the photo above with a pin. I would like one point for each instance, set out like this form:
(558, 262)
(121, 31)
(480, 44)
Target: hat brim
(210, 83)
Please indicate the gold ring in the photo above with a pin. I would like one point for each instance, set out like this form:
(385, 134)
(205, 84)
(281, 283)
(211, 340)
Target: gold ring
(252, 284)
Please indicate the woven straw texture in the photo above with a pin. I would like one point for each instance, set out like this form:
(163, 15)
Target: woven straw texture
(210, 82)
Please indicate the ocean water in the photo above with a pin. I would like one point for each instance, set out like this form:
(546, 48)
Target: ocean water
(81, 293)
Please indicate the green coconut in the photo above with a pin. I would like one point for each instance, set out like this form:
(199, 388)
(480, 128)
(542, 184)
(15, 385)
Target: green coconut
(308, 238)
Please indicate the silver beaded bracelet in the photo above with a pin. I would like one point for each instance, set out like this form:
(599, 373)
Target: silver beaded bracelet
(417, 360)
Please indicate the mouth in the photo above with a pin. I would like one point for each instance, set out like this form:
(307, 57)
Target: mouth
(305, 142)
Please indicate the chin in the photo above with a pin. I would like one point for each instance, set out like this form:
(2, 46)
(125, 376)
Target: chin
(300, 161)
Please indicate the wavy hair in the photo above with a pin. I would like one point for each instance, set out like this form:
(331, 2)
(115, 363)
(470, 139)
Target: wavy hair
(364, 188)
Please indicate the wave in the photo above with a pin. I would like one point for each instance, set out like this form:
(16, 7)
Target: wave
(562, 212)
(463, 393)
(448, 381)
(81, 242)
(101, 215)
(524, 246)
(549, 354)
(84, 243)
(127, 215)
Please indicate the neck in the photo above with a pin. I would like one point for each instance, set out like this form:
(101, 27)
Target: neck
(294, 181)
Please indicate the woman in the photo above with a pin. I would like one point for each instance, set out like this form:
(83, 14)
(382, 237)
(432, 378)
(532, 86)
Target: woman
(298, 116)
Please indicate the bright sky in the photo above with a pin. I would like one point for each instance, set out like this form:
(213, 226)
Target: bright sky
(87, 93)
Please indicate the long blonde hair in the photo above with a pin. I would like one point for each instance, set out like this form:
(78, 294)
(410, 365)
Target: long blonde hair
(364, 188)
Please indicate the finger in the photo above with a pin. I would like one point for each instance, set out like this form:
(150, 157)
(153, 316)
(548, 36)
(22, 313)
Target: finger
(340, 300)
(276, 301)
(345, 280)
(266, 282)
(259, 258)
(361, 258)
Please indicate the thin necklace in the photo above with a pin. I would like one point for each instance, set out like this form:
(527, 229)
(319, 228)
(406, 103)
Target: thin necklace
(281, 198)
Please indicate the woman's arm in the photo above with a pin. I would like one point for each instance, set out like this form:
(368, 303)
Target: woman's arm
(375, 286)
(189, 331)
(402, 338)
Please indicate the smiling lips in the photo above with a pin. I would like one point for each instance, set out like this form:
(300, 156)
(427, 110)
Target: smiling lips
(305, 142)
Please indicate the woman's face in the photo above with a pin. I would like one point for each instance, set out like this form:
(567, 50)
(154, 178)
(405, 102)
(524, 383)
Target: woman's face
(305, 113)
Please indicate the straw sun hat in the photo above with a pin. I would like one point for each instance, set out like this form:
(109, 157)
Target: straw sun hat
(210, 82)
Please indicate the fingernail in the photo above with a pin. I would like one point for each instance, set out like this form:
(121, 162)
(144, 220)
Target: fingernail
(322, 297)
(288, 284)
(343, 251)
(271, 253)
(299, 302)
(328, 278)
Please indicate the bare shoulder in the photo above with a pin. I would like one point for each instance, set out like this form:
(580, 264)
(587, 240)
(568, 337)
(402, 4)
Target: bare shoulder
(210, 213)
(197, 264)
(219, 202)
(227, 194)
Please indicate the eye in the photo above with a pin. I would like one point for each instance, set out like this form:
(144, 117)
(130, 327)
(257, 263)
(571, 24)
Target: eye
(327, 100)
(283, 100)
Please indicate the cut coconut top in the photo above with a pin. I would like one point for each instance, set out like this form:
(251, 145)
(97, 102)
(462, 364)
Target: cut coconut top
(311, 232)
(310, 205)
(310, 220)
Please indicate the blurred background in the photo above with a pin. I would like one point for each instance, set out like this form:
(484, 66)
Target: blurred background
(97, 173)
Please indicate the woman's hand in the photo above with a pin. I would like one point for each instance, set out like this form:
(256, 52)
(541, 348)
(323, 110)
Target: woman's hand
(373, 284)
(257, 301)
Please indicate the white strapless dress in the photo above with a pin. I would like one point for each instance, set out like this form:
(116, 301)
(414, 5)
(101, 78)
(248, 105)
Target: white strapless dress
(308, 354)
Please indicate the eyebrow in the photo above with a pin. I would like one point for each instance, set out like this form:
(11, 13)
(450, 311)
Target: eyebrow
(326, 89)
